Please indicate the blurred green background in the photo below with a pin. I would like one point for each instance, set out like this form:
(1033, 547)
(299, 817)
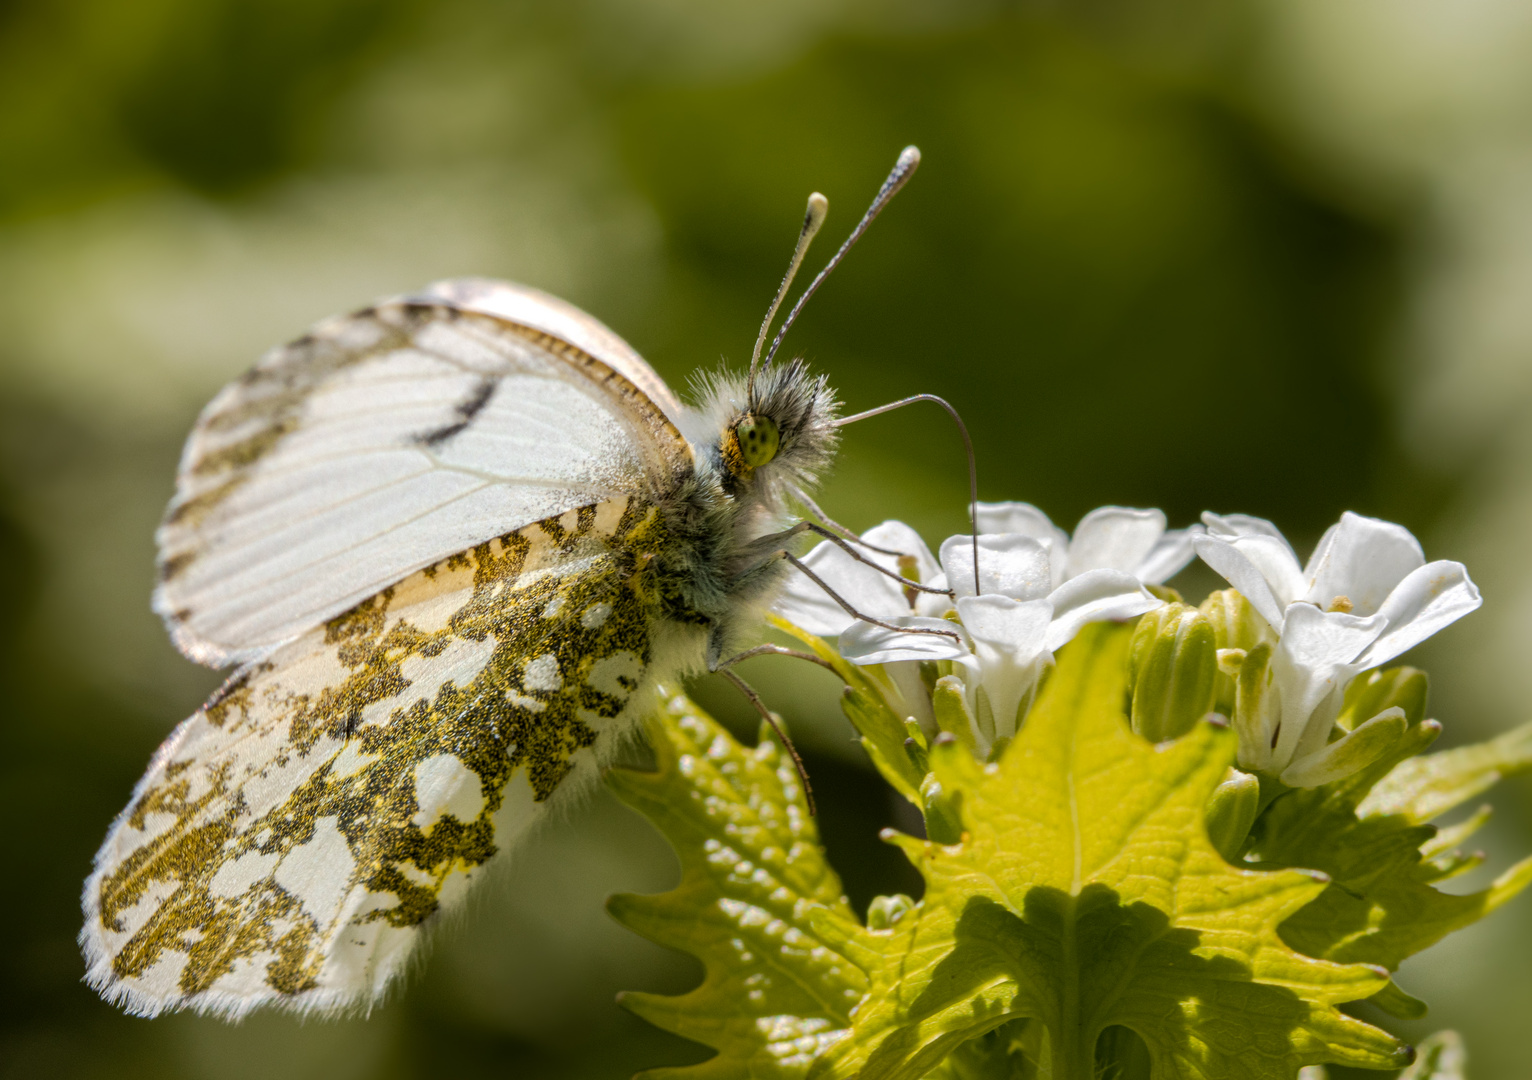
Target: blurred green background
(1271, 256)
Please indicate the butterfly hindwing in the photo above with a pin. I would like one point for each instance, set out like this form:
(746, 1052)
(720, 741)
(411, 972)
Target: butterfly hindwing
(294, 837)
(386, 440)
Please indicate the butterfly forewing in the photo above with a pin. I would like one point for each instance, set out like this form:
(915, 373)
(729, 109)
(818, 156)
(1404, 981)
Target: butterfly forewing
(293, 837)
(384, 441)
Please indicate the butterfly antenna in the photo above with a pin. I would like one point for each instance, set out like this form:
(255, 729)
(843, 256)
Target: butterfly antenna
(973, 473)
(813, 218)
(904, 168)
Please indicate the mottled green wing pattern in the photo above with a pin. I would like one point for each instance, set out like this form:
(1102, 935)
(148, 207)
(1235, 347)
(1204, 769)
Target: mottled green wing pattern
(291, 841)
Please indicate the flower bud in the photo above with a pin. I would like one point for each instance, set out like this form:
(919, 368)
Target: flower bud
(1366, 697)
(1237, 628)
(1231, 811)
(1173, 668)
(884, 911)
(916, 746)
(944, 825)
(1257, 710)
(949, 703)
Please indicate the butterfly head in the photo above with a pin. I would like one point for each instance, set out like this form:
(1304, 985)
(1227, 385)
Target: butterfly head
(779, 433)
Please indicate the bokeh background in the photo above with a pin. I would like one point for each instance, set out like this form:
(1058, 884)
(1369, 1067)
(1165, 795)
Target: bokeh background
(1271, 256)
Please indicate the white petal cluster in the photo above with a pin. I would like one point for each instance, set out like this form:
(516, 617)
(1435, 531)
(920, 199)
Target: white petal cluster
(1366, 595)
(1135, 542)
(1035, 588)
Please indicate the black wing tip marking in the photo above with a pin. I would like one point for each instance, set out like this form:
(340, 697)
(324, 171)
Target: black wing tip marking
(466, 410)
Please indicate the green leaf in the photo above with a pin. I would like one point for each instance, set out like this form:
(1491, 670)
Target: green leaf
(1007, 1053)
(1085, 894)
(757, 903)
(1369, 834)
(1424, 787)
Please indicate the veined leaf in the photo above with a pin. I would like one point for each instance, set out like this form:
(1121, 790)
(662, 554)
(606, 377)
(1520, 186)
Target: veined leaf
(1423, 787)
(757, 904)
(1369, 834)
(1085, 894)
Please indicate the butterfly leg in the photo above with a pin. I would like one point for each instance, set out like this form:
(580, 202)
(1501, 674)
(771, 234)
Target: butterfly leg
(776, 650)
(814, 508)
(766, 714)
(776, 539)
(809, 526)
(845, 605)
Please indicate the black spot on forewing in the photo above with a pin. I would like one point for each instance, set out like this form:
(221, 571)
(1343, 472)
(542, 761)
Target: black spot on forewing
(466, 410)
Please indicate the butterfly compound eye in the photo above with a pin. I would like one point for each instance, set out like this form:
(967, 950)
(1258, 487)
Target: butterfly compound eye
(758, 439)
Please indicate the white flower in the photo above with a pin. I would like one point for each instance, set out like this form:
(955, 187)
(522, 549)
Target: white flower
(1366, 596)
(1109, 538)
(1012, 620)
(1035, 589)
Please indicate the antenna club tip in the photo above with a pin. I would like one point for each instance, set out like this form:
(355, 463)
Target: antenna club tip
(819, 206)
(909, 158)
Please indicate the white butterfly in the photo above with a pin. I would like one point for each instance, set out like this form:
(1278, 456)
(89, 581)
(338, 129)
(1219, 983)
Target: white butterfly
(453, 542)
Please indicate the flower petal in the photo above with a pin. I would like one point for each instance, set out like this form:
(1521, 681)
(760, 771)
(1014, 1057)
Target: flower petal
(1019, 627)
(1009, 640)
(1360, 559)
(1233, 526)
(1430, 598)
(1242, 571)
(1266, 549)
(1114, 538)
(1021, 518)
(897, 536)
(806, 605)
(1009, 565)
(1168, 557)
(864, 643)
(1315, 658)
(1093, 596)
(931, 604)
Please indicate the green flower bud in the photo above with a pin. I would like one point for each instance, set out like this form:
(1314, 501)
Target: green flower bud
(916, 746)
(944, 825)
(1173, 668)
(1231, 811)
(1237, 628)
(1366, 697)
(885, 911)
(1257, 710)
(950, 705)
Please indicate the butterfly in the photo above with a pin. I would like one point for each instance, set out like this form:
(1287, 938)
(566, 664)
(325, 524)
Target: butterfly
(452, 543)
